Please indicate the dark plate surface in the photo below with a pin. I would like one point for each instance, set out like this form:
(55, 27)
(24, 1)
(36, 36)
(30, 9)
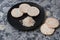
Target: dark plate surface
(18, 25)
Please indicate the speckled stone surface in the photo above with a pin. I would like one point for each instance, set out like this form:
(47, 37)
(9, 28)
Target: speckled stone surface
(9, 33)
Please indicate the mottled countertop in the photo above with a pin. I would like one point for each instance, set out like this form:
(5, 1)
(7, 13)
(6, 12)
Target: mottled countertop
(9, 33)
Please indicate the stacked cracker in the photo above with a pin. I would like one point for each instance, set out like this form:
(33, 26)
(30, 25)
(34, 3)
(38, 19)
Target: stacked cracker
(49, 26)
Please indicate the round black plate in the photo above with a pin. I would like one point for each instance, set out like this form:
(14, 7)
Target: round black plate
(15, 21)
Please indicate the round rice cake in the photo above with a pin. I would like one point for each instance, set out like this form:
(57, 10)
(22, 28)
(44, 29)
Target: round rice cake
(28, 21)
(16, 13)
(46, 30)
(24, 7)
(33, 11)
(52, 22)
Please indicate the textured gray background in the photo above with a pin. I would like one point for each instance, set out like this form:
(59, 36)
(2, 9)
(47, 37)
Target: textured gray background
(11, 34)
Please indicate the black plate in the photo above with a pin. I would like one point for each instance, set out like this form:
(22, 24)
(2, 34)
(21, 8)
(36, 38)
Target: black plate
(15, 21)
